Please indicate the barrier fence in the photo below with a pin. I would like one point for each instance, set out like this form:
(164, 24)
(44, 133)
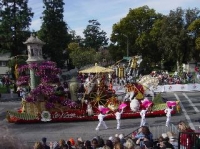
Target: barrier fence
(158, 130)
(189, 140)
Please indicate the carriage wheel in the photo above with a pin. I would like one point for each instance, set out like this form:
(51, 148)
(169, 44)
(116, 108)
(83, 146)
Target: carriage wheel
(98, 98)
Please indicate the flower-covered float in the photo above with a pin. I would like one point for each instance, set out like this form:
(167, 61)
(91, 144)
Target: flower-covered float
(49, 102)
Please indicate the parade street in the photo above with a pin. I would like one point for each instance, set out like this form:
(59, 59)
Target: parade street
(30, 133)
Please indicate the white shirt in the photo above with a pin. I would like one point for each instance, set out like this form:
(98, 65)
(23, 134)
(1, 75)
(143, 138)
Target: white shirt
(168, 111)
(142, 113)
(118, 115)
(101, 116)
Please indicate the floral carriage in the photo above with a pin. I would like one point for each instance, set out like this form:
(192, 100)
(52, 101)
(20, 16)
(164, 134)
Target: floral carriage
(44, 104)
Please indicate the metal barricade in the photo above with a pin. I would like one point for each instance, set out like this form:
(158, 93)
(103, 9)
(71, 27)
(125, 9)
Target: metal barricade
(158, 130)
(189, 140)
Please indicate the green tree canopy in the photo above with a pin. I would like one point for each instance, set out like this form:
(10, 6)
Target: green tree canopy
(15, 18)
(135, 29)
(94, 36)
(54, 32)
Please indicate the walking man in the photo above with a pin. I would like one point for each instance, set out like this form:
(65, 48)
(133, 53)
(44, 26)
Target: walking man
(118, 117)
(168, 112)
(143, 118)
(101, 121)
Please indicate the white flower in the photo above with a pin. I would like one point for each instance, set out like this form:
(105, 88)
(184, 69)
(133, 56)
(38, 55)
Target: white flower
(46, 116)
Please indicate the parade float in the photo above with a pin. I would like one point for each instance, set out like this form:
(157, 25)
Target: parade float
(94, 91)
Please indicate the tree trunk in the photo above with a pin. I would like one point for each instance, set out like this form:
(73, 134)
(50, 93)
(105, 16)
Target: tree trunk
(178, 66)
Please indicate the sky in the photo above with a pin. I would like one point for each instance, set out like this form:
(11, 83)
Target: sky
(77, 13)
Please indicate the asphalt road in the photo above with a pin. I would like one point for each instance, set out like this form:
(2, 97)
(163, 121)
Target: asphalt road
(190, 103)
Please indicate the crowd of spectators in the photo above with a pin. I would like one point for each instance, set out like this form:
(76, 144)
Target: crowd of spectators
(140, 139)
(175, 78)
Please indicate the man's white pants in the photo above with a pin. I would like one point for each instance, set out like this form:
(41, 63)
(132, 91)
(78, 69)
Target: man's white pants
(118, 123)
(168, 120)
(143, 122)
(101, 123)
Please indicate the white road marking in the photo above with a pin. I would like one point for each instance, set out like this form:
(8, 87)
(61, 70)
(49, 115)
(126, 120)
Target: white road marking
(189, 100)
(185, 113)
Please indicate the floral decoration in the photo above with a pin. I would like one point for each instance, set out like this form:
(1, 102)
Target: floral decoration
(45, 116)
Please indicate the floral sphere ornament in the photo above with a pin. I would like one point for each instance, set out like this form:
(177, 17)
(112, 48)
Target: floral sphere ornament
(134, 105)
(46, 116)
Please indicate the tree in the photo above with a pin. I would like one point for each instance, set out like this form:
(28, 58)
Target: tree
(175, 39)
(15, 18)
(194, 29)
(81, 56)
(94, 36)
(135, 29)
(54, 32)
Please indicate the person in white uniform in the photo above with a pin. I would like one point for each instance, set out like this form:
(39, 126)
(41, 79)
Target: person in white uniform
(101, 117)
(89, 109)
(143, 118)
(168, 112)
(118, 118)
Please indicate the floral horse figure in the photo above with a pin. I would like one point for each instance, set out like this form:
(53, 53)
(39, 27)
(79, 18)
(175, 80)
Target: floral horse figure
(145, 86)
(132, 90)
(149, 84)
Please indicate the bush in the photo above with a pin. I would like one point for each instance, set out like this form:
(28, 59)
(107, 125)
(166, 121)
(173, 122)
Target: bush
(3, 89)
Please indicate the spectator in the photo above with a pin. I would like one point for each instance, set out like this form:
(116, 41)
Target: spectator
(185, 139)
(54, 145)
(118, 146)
(44, 141)
(109, 143)
(79, 143)
(144, 132)
(62, 144)
(122, 139)
(167, 143)
(69, 144)
(141, 141)
(129, 144)
(172, 139)
(87, 145)
(148, 145)
(95, 144)
(38, 145)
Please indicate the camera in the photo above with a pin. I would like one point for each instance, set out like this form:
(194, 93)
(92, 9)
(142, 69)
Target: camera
(141, 139)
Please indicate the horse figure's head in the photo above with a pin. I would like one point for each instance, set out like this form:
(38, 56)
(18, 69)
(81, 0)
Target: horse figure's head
(149, 82)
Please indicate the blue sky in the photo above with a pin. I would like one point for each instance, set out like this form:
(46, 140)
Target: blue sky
(77, 13)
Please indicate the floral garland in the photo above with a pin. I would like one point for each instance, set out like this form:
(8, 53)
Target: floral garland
(47, 72)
